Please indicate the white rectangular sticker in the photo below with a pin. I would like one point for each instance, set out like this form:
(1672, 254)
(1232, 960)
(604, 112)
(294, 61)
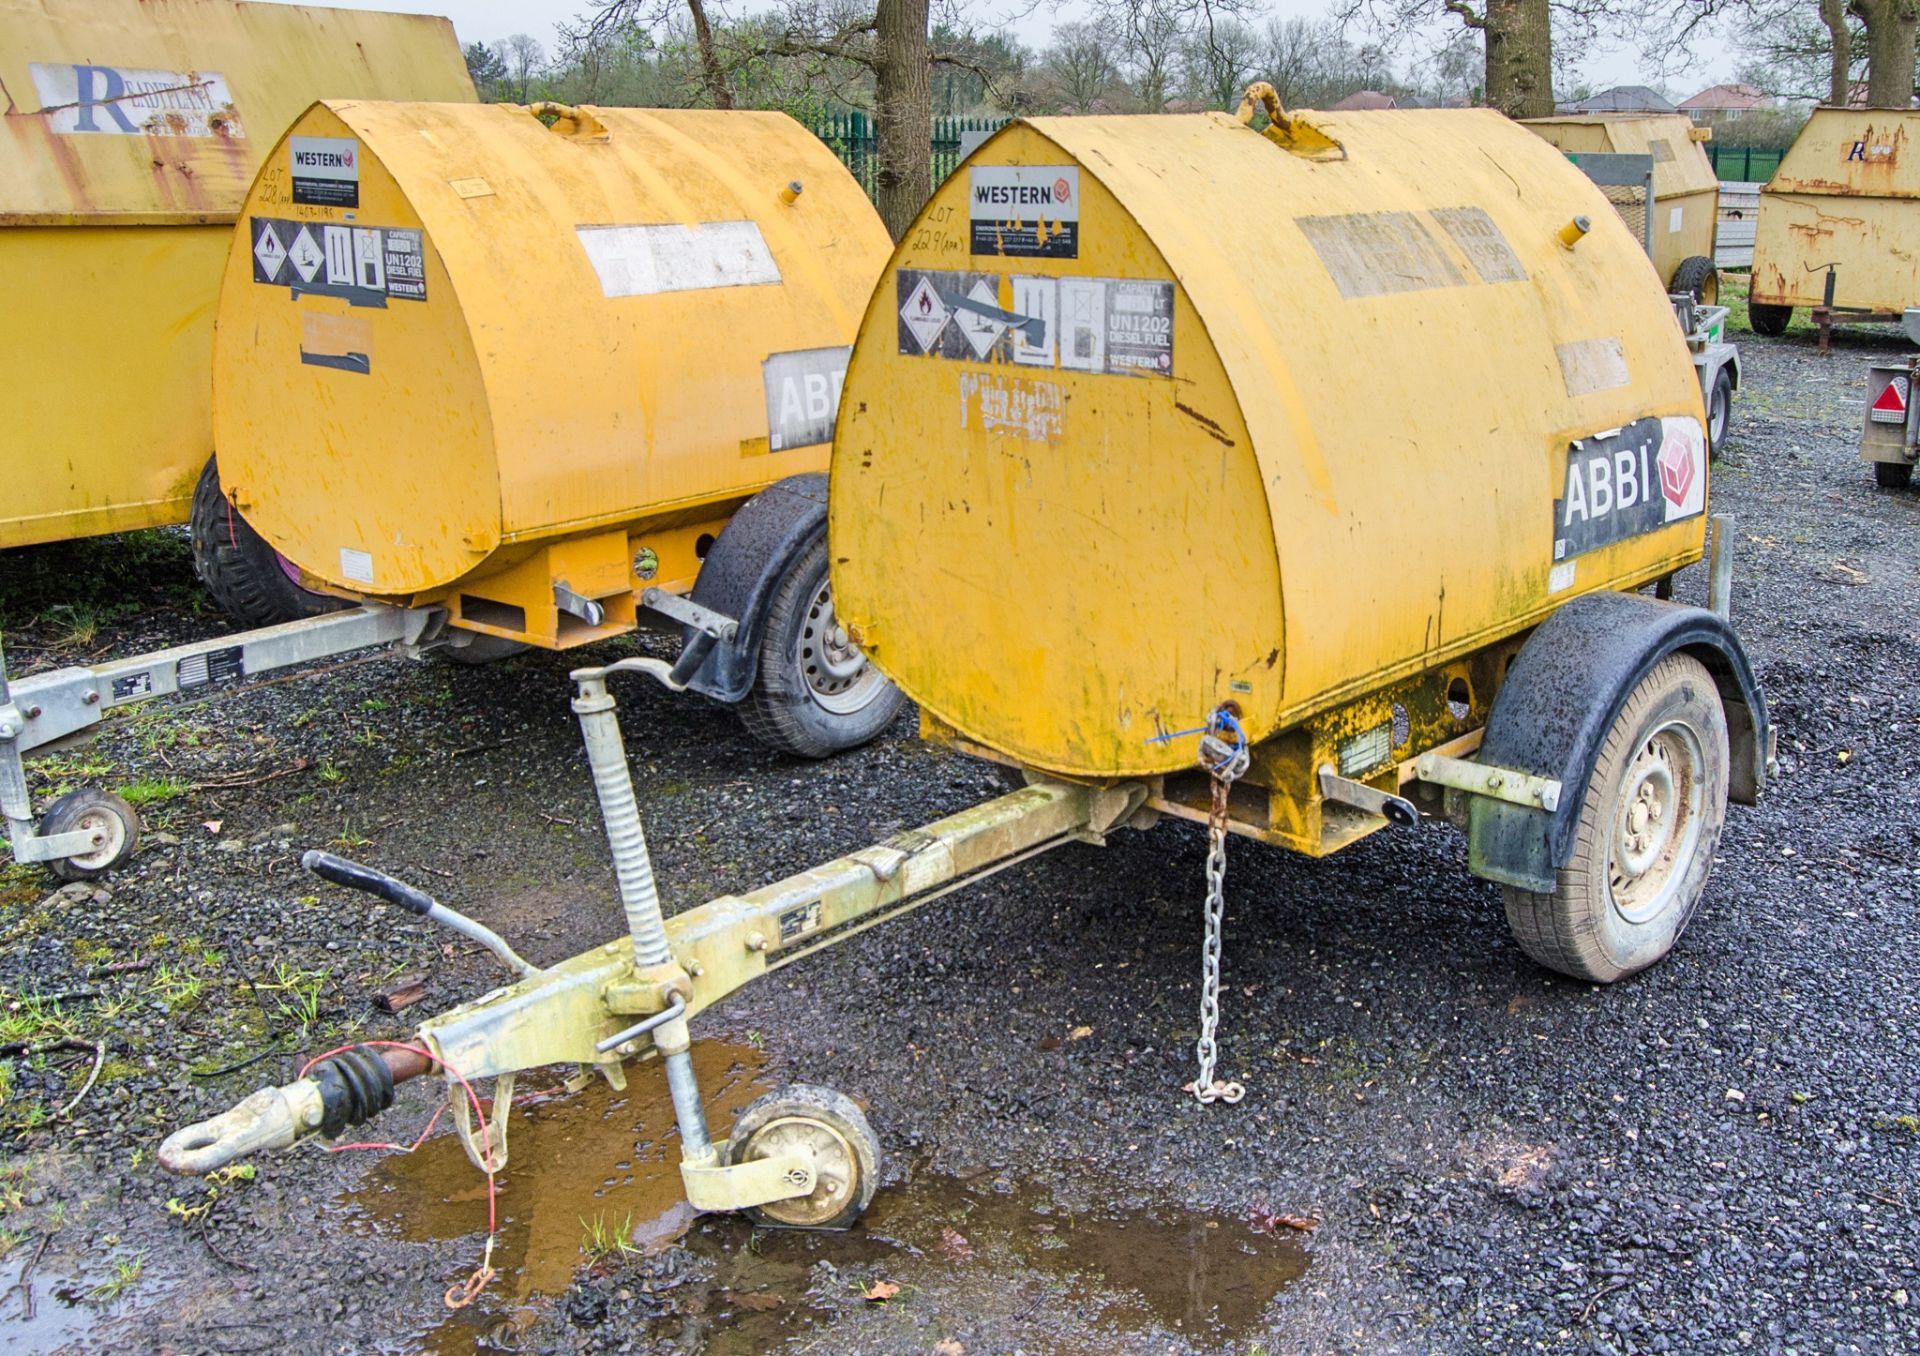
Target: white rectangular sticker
(1675, 218)
(643, 261)
(132, 101)
(1111, 325)
(356, 565)
(1031, 211)
(326, 170)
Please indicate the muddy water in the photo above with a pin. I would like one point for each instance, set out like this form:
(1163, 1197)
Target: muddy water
(611, 1158)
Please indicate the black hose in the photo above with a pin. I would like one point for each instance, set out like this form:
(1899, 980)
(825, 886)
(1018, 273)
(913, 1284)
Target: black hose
(354, 876)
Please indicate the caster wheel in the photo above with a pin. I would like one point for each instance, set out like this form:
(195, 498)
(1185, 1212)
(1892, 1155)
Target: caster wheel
(101, 812)
(846, 1155)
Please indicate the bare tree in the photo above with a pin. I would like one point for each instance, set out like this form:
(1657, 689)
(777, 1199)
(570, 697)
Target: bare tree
(524, 58)
(1783, 34)
(1221, 61)
(1149, 35)
(1079, 68)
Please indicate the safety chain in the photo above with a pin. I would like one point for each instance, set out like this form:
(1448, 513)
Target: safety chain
(1224, 762)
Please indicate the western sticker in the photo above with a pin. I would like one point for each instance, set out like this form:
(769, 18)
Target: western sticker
(1031, 211)
(803, 395)
(364, 265)
(1372, 254)
(1477, 237)
(644, 261)
(1589, 365)
(1023, 406)
(339, 341)
(326, 170)
(132, 101)
(1627, 482)
(1120, 326)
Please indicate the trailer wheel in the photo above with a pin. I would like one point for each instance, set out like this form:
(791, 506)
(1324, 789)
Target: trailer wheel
(815, 693)
(846, 1154)
(1698, 278)
(1719, 412)
(250, 580)
(1893, 475)
(1648, 828)
(101, 811)
(1770, 321)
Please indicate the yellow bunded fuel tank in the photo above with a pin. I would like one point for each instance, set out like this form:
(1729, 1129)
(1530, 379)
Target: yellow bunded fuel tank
(1847, 198)
(1152, 414)
(1686, 191)
(467, 356)
(130, 132)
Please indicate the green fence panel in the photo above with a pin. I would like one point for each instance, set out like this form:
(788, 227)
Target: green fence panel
(852, 137)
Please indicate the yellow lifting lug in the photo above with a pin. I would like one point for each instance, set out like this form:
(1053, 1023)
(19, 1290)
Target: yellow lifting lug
(569, 121)
(1291, 133)
(1574, 232)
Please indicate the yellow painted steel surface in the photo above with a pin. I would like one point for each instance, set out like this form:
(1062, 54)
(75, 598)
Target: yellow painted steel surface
(1685, 188)
(530, 344)
(1847, 193)
(131, 131)
(1232, 423)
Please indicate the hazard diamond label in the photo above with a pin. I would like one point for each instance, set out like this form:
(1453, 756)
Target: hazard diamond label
(1891, 407)
(982, 331)
(271, 253)
(925, 315)
(306, 255)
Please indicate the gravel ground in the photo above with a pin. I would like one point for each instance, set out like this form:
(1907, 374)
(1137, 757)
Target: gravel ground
(1720, 1154)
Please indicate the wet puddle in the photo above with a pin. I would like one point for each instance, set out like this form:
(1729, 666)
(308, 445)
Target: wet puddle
(610, 1159)
(64, 1310)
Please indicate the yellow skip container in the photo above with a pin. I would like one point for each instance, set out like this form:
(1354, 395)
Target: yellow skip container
(489, 356)
(1152, 414)
(131, 132)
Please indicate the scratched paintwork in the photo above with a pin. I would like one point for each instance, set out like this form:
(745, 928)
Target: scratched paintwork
(521, 427)
(1330, 496)
(106, 382)
(1683, 177)
(1847, 193)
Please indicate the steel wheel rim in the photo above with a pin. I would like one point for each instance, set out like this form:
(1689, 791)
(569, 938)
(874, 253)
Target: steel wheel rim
(836, 1168)
(110, 826)
(1656, 823)
(1717, 416)
(837, 675)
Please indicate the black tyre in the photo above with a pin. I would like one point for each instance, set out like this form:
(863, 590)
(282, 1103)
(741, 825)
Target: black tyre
(827, 1125)
(101, 812)
(1770, 321)
(1719, 411)
(1648, 829)
(1698, 278)
(1893, 475)
(247, 577)
(815, 693)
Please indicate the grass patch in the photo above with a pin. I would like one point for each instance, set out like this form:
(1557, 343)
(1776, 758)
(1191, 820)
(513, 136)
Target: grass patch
(145, 791)
(1734, 288)
(603, 1242)
(65, 592)
(126, 1272)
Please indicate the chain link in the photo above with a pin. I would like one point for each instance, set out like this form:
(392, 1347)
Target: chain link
(1224, 763)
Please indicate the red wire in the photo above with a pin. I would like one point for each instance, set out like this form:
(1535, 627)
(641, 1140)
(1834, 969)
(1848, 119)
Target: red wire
(486, 1132)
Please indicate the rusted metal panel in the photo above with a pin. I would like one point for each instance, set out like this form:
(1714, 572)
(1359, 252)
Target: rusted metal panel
(150, 117)
(1847, 198)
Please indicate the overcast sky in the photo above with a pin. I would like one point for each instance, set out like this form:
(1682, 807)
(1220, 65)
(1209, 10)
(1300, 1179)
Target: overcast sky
(491, 20)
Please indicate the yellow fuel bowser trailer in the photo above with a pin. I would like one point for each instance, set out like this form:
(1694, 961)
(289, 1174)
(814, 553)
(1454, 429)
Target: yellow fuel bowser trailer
(131, 132)
(513, 377)
(1839, 227)
(1678, 213)
(1298, 482)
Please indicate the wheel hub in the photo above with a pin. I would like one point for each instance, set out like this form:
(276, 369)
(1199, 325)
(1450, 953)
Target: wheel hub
(835, 1169)
(1657, 823)
(838, 676)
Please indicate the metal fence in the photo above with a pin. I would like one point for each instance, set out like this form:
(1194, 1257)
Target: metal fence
(851, 137)
(1744, 164)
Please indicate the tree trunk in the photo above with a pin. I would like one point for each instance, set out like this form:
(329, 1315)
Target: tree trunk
(1891, 29)
(1833, 13)
(1520, 58)
(712, 76)
(903, 111)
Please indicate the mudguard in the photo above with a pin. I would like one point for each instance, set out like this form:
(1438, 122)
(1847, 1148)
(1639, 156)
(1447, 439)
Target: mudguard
(1559, 699)
(744, 567)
